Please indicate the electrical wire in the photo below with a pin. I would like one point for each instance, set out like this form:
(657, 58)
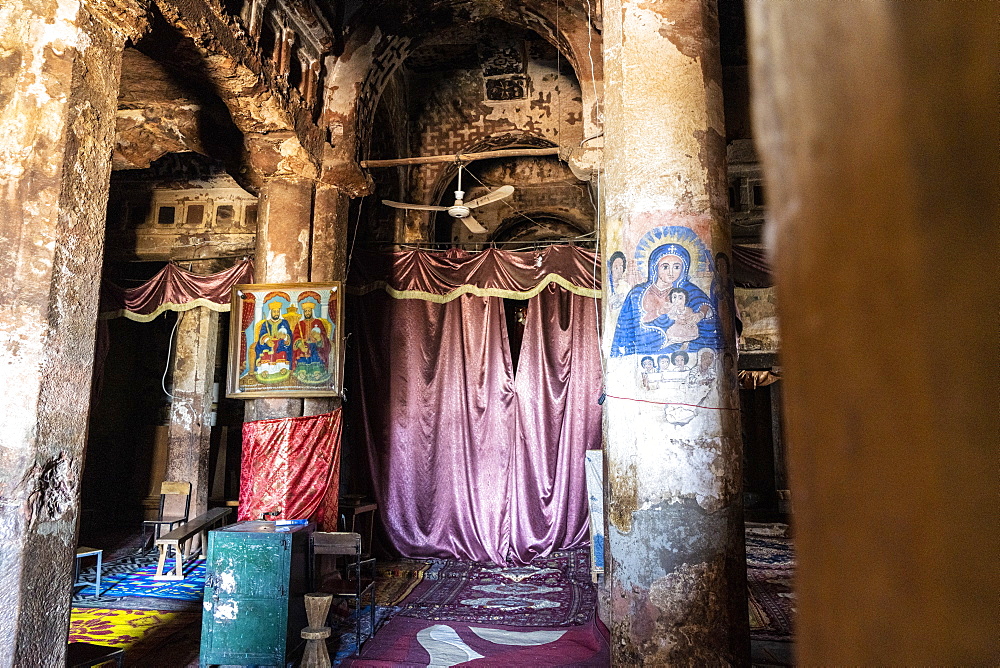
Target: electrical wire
(597, 205)
(170, 348)
(511, 206)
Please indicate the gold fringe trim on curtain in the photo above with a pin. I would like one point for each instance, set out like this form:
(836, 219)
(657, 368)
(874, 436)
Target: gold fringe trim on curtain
(473, 290)
(167, 306)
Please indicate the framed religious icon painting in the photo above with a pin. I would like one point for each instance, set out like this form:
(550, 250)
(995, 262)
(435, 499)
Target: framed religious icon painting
(285, 340)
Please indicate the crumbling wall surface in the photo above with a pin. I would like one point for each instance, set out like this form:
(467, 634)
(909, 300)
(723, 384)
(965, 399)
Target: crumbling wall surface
(59, 73)
(280, 134)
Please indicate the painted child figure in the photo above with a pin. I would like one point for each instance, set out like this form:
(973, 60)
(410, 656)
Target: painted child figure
(685, 327)
(650, 376)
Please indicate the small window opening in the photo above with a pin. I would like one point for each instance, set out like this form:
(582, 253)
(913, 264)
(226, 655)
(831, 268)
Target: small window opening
(268, 40)
(195, 214)
(165, 216)
(250, 216)
(224, 214)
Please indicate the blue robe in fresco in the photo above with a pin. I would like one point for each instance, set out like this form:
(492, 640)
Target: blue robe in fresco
(635, 337)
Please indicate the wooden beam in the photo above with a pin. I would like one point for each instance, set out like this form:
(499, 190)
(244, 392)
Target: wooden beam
(463, 157)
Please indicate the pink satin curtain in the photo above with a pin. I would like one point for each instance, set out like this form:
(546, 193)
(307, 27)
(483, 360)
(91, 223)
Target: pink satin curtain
(467, 461)
(557, 420)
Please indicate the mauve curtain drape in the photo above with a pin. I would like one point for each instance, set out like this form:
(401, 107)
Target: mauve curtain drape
(465, 460)
(557, 420)
(437, 426)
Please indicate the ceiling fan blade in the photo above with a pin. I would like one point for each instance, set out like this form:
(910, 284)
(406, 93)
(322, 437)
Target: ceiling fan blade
(498, 194)
(415, 207)
(473, 225)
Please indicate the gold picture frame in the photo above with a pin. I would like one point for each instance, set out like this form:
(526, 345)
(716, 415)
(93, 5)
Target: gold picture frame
(285, 340)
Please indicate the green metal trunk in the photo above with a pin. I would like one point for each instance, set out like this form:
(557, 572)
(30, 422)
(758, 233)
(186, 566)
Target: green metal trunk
(255, 579)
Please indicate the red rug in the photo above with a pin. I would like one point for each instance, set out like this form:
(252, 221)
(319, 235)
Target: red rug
(415, 642)
(551, 591)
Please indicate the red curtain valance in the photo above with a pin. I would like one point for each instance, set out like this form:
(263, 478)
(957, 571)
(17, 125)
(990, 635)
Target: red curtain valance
(173, 289)
(441, 276)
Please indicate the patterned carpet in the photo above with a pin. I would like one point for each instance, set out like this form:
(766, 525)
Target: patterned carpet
(552, 591)
(770, 571)
(395, 580)
(132, 577)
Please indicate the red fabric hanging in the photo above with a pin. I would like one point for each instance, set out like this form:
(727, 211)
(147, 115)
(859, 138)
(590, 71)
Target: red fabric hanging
(173, 289)
(292, 465)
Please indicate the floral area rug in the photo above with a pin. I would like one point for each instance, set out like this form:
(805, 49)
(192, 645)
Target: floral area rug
(551, 591)
(770, 571)
(407, 642)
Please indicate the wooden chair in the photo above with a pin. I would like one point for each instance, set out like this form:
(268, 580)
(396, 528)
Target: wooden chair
(172, 494)
(353, 583)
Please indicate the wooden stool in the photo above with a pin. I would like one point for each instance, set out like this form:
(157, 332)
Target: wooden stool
(315, 635)
(84, 655)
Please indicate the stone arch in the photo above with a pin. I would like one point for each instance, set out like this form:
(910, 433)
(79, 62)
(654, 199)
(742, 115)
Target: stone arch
(372, 54)
(537, 226)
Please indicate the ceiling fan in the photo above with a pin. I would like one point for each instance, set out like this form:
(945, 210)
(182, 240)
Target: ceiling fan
(460, 209)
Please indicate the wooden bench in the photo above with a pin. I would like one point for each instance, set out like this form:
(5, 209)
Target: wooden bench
(178, 540)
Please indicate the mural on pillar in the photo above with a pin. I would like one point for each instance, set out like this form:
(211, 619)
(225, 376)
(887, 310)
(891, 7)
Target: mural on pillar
(669, 311)
(670, 323)
(287, 340)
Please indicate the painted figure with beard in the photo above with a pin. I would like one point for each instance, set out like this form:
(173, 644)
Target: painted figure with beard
(312, 344)
(273, 345)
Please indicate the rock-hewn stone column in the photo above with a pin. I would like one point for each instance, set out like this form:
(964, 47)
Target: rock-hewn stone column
(284, 237)
(877, 124)
(60, 70)
(195, 349)
(673, 454)
(328, 260)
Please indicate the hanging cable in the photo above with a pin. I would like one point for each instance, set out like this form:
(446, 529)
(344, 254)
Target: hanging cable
(601, 327)
(170, 348)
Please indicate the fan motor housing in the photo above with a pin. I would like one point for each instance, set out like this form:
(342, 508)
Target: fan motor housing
(459, 211)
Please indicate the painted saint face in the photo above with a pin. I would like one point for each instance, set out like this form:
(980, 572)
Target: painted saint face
(647, 365)
(669, 269)
(706, 359)
(617, 268)
(677, 298)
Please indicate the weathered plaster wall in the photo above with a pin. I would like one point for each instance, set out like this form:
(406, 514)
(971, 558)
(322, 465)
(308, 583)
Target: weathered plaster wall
(59, 68)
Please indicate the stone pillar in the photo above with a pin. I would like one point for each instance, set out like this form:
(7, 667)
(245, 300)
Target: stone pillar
(60, 75)
(328, 260)
(284, 236)
(877, 127)
(672, 439)
(195, 347)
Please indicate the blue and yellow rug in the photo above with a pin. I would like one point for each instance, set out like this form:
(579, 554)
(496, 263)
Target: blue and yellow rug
(133, 577)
